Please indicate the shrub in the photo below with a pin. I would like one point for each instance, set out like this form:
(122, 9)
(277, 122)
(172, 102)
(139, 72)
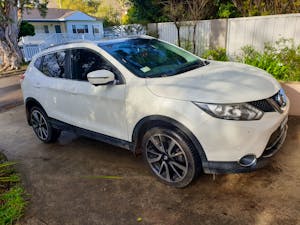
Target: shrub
(282, 59)
(218, 54)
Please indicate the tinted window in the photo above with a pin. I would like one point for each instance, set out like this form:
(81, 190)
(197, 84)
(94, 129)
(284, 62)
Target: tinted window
(151, 58)
(54, 65)
(85, 61)
(37, 63)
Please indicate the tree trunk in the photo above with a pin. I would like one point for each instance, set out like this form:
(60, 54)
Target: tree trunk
(11, 56)
(178, 33)
(194, 37)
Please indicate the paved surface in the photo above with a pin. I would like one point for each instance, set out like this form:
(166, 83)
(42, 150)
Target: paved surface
(66, 187)
(10, 92)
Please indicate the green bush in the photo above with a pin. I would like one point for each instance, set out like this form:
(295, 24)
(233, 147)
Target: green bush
(218, 54)
(282, 59)
(26, 29)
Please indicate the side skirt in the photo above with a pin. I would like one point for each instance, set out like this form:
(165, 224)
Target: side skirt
(91, 134)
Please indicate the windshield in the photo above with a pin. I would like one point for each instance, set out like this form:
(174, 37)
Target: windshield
(148, 58)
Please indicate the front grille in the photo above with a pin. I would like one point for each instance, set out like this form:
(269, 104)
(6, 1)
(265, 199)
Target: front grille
(263, 105)
(272, 104)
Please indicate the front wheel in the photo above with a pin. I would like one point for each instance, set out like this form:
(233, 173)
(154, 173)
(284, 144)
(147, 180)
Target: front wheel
(171, 157)
(42, 127)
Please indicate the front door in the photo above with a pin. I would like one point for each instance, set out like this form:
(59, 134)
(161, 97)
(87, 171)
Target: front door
(97, 108)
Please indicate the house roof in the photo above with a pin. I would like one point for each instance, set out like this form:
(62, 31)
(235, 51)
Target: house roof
(54, 14)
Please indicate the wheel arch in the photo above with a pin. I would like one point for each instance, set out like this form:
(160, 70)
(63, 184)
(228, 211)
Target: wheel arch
(29, 103)
(163, 121)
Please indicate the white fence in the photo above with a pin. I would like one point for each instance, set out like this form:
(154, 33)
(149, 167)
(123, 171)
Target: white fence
(235, 33)
(168, 32)
(256, 31)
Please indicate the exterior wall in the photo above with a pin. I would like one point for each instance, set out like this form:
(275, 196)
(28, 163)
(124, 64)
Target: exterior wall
(39, 26)
(90, 26)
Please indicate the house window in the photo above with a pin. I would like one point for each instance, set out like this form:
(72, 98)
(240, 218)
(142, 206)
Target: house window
(57, 28)
(46, 28)
(80, 29)
(96, 29)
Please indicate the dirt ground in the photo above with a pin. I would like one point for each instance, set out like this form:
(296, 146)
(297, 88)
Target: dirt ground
(66, 184)
(10, 92)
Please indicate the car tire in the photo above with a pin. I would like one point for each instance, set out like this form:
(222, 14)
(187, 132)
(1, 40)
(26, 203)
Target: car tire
(170, 156)
(42, 127)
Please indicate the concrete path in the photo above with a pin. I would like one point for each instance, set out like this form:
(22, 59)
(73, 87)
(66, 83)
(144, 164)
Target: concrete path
(67, 184)
(10, 92)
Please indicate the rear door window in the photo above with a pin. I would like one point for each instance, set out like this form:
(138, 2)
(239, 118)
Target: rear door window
(55, 65)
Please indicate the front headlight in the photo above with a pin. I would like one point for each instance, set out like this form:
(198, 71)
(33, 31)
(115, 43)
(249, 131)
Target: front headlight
(242, 111)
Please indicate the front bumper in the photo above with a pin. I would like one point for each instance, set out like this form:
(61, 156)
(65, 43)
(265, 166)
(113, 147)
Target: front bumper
(275, 143)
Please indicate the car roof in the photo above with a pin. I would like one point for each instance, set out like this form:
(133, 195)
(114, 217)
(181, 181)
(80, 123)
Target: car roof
(82, 43)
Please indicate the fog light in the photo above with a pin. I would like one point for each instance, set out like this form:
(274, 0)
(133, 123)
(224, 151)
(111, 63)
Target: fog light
(248, 160)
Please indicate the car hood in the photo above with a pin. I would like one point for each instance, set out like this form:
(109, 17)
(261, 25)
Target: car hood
(217, 82)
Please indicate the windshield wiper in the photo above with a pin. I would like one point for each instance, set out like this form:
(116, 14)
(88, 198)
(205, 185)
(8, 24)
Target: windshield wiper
(190, 67)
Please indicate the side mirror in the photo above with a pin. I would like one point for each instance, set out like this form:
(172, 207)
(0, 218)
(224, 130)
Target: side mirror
(100, 77)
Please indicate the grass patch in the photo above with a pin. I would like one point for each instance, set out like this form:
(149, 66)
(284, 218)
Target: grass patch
(12, 202)
(12, 205)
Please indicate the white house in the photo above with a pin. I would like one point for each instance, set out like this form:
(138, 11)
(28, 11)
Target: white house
(64, 21)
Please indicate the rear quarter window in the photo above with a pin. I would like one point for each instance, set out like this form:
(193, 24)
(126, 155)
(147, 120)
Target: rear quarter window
(38, 62)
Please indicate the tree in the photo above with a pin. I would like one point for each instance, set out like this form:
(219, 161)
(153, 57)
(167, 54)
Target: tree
(146, 11)
(225, 9)
(110, 10)
(10, 15)
(26, 29)
(266, 7)
(197, 10)
(176, 11)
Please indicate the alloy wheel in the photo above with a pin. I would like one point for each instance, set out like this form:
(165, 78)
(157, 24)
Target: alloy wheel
(166, 158)
(39, 124)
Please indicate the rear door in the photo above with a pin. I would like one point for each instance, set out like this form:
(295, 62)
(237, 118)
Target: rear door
(57, 86)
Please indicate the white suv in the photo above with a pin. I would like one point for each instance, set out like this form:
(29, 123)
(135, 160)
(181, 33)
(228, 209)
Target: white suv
(183, 113)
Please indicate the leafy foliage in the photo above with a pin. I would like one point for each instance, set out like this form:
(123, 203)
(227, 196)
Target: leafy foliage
(26, 29)
(266, 7)
(12, 203)
(110, 10)
(282, 59)
(226, 9)
(218, 54)
(148, 11)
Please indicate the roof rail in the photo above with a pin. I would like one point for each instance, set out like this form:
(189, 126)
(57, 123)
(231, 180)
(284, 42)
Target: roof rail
(69, 42)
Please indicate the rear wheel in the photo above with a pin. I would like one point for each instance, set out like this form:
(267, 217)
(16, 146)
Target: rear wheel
(42, 127)
(171, 157)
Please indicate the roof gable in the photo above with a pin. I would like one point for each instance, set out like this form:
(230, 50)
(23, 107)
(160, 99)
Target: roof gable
(77, 15)
(54, 14)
